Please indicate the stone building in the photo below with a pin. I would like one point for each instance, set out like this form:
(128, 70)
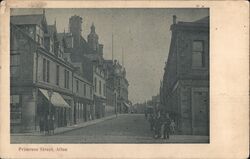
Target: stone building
(87, 58)
(58, 76)
(118, 81)
(185, 86)
(32, 76)
(110, 89)
(95, 55)
(44, 85)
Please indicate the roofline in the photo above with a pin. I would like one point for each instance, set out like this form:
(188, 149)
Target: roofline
(26, 15)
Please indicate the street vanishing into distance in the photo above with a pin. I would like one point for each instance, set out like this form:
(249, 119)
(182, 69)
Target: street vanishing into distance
(126, 128)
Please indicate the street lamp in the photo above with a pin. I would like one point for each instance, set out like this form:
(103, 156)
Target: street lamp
(50, 92)
(115, 104)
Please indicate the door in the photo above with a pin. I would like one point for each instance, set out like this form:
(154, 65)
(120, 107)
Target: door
(200, 111)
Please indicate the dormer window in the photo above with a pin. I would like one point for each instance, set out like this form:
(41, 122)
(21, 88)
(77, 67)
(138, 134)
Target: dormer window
(39, 35)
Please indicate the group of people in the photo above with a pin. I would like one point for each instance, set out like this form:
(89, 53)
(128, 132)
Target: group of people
(47, 125)
(161, 124)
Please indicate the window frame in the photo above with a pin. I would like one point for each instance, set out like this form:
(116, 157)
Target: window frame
(44, 69)
(19, 111)
(15, 65)
(84, 89)
(100, 87)
(57, 75)
(200, 52)
(95, 84)
(48, 71)
(77, 86)
(66, 78)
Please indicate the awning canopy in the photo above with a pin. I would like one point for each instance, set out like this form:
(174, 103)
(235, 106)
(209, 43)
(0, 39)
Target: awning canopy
(126, 104)
(56, 99)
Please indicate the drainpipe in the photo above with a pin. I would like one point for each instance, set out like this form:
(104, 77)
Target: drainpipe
(36, 80)
(72, 89)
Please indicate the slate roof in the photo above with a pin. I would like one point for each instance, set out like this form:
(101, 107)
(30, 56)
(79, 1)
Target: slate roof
(51, 29)
(27, 19)
(203, 20)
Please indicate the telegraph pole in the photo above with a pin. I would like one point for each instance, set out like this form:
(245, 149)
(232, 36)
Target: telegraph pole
(122, 58)
(112, 48)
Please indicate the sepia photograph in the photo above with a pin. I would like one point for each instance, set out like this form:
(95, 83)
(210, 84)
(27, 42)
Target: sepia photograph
(124, 79)
(109, 75)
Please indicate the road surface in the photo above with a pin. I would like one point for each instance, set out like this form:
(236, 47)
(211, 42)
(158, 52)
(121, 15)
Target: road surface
(127, 128)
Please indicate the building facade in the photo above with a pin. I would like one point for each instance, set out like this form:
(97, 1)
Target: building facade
(116, 79)
(57, 78)
(45, 86)
(185, 87)
(39, 76)
(87, 58)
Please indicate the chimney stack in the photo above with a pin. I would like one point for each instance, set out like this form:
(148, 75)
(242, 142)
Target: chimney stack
(174, 19)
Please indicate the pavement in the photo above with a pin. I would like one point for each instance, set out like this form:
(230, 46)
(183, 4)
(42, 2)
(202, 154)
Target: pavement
(126, 128)
(68, 128)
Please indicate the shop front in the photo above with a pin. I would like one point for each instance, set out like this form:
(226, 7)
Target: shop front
(52, 109)
(99, 107)
(82, 110)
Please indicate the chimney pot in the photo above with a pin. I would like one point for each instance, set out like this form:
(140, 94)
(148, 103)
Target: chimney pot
(174, 19)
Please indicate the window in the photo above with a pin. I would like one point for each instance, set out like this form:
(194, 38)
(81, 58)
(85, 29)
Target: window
(78, 110)
(95, 85)
(42, 41)
(100, 87)
(57, 74)
(15, 109)
(90, 92)
(66, 79)
(77, 86)
(104, 89)
(198, 54)
(84, 89)
(44, 70)
(14, 65)
(48, 70)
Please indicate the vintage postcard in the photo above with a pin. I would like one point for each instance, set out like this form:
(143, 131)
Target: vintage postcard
(124, 79)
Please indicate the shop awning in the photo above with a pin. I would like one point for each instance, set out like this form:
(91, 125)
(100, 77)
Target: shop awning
(56, 99)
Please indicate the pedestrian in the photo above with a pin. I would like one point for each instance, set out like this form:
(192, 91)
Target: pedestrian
(47, 125)
(158, 124)
(52, 124)
(41, 125)
(166, 122)
(151, 121)
(172, 125)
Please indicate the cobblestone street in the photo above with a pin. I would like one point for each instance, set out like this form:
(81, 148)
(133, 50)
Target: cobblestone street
(128, 128)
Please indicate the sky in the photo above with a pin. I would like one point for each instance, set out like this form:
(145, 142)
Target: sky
(143, 34)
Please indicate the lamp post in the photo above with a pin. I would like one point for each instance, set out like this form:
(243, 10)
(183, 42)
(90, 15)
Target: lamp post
(115, 104)
(50, 92)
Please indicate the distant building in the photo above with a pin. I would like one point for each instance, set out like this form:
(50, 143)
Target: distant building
(185, 85)
(116, 80)
(111, 96)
